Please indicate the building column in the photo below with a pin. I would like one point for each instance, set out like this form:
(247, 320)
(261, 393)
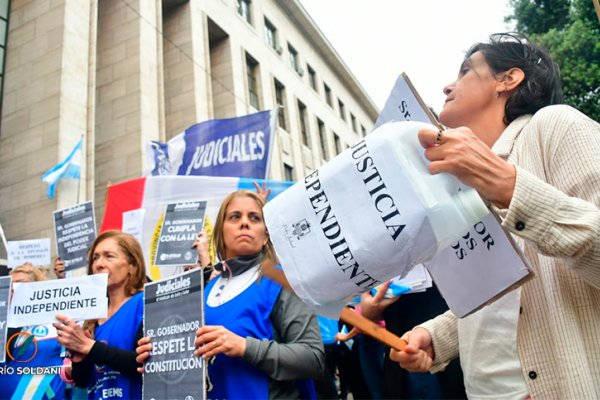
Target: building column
(44, 110)
(128, 91)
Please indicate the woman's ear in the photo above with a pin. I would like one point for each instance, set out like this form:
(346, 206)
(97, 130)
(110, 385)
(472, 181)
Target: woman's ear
(510, 80)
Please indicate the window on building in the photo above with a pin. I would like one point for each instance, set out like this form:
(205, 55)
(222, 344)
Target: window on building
(243, 9)
(303, 124)
(280, 99)
(4, 10)
(271, 35)
(353, 122)
(342, 109)
(363, 131)
(252, 73)
(328, 97)
(288, 172)
(312, 77)
(337, 144)
(295, 60)
(322, 140)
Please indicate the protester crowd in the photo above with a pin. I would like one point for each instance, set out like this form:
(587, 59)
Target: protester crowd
(534, 159)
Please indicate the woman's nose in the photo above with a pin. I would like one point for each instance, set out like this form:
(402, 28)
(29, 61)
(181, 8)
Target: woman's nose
(99, 263)
(244, 221)
(448, 88)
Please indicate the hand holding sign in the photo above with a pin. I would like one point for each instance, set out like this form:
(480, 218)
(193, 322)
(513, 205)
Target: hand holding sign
(461, 153)
(201, 246)
(372, 307)
(73, 337)
(143, 349)
(212, 340)
(59, 268)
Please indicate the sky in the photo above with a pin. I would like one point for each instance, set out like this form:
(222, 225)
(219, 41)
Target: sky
(427, 39)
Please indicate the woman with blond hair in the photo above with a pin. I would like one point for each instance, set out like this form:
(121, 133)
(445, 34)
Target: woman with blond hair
(262, 340)
(103, 351)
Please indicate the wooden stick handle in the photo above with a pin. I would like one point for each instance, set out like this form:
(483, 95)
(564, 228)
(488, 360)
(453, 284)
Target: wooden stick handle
(370, 328)
(367, 326)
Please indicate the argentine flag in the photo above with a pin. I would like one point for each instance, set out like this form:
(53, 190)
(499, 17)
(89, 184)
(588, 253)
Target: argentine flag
(70, 167)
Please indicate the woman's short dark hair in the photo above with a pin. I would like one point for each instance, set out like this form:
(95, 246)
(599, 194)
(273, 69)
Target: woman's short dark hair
(542, 85)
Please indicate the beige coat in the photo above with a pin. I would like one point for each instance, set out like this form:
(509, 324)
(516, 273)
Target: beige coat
(556, 203)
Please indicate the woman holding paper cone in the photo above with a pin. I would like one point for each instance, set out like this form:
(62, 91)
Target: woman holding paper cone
(262, 340)
(538, 164)
(103, 351)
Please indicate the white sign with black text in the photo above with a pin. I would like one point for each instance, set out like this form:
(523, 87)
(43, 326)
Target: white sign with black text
(38, 303)
(36, 251)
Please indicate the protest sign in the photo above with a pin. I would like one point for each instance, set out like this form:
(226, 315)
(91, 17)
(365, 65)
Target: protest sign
(36, 251)
(75, 229)
(405, 104)
(478, 268)
(239, 146)
(181, 225)
(468, 276)
(4, 298)
(363, 218)
(375, 211)
(38, 302)
(172, 313)
(133, 223)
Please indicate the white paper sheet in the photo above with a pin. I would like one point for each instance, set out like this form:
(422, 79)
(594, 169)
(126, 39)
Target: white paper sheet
(38, 303)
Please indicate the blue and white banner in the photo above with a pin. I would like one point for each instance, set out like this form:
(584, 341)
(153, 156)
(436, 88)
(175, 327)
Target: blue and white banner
(70, 167)
(237, 147)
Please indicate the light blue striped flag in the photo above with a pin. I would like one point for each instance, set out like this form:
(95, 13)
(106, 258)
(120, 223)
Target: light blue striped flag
(70, 167)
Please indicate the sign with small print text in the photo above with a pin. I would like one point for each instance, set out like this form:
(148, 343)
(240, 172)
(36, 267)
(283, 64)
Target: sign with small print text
(36, 251)
(181, 225)
(75, 229)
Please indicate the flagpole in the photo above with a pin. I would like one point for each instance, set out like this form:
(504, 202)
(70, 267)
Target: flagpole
(79, 180)
(78, 188)
(108, 185)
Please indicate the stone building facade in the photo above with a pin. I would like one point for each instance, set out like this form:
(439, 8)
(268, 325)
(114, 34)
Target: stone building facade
(123, 72)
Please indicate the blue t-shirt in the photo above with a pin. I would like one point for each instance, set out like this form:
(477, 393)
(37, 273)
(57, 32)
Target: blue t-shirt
(119, 331)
